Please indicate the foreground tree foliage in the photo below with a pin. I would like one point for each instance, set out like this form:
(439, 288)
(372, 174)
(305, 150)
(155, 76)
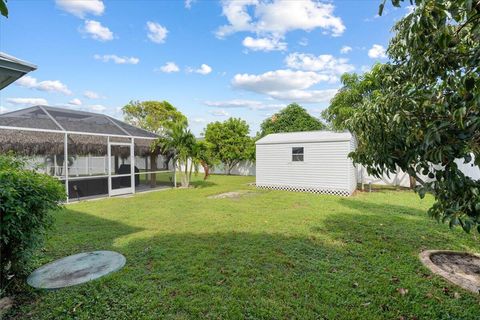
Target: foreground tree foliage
(154, 116)
(426, 113)
(3, 8)
(293, 118)
(230, 142)
(27, 199)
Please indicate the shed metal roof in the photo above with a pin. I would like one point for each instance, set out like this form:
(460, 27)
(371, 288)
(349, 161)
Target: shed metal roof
(53, 119)
(11, 69)
(305, 137)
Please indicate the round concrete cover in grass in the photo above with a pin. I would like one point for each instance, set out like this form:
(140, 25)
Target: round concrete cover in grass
(460, 268)
(76, 269)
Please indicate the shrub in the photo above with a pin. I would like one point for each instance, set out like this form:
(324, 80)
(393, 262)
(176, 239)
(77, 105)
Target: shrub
(26, 201)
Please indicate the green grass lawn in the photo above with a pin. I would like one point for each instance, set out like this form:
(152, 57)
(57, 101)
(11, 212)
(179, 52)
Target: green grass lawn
(264, 255)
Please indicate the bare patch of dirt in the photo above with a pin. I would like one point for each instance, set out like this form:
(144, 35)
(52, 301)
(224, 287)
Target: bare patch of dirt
(231, 195)
(461, 268)
(5, 304)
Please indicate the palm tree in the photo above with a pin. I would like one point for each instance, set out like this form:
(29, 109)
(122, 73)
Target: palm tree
(182, 142)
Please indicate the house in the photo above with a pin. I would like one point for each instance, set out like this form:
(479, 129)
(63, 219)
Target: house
(11, 69)
(314, 161)
(91, 154)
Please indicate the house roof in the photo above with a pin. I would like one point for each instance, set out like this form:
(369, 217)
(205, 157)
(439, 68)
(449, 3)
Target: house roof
(53, 119)
(11, 69)
(305, 137)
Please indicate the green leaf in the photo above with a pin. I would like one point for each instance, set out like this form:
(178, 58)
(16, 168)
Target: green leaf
(422, 192)
(469, 83)
(3, 8)
(380, 8)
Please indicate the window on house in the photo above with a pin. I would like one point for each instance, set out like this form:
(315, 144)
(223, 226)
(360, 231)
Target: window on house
(297, 154)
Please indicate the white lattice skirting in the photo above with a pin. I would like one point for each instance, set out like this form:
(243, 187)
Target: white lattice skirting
(343, 193)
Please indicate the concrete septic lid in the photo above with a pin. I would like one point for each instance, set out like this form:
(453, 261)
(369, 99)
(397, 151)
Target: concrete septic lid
(460, 268)
(76, 269)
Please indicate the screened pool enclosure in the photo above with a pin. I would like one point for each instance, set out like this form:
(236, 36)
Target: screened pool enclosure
(92, 154)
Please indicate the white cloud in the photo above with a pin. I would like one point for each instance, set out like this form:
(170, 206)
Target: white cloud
(75, 102)
(277, 17)
(287, 85)
(278, 80)
(188, 3)
(97, 108)
(306, 96)
(264, 44)
(204, 69)
(365, 68)
(303, 42)
(80, 8)
(46, 85)
(91, 95)
(324, 63)
(410, 9)
(199, 120)
(247, 104)
(219, 113)
(156, 32)
(96, 31)
(54, 86)
(27, 101)
(116, 59)
(3, 109)
(377, 51)
(27, 82)
(169, 67)
(345, 49)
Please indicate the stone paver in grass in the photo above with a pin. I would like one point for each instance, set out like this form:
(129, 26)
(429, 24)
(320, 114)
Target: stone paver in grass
(460, 268)
(76, 269)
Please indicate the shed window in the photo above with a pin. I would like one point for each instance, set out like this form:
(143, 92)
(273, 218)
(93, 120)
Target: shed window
(297, 154)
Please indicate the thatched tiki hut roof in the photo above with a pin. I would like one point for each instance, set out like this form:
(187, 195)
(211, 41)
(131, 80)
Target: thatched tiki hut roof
(41, 131)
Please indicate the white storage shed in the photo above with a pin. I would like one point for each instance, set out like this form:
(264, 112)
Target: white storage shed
(313, 161)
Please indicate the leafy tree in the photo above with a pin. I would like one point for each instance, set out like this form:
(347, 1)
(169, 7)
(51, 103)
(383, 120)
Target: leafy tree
(27, 199)
(427, 113)
(356, 89)
(230, 141)
(154, 116)
(3, 8)
(179, 139)
(290, 119)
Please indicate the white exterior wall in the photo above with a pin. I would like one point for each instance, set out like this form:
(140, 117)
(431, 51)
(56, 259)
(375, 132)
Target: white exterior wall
(326, 167)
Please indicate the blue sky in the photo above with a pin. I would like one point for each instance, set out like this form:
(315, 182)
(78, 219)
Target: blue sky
(210, 59)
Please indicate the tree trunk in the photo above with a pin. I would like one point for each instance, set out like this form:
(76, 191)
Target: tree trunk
(153, 167)
(185, 178)
(413, 182)
(206, 169)
(190, 173)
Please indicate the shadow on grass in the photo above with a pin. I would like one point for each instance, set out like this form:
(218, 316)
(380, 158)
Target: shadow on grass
(76, 231)
(238, 275)
(369, 207)
(202, 184)
(244, 275)
(400, 229)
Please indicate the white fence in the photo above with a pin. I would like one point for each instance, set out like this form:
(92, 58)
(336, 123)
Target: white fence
(402, 179)
(399, 178)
